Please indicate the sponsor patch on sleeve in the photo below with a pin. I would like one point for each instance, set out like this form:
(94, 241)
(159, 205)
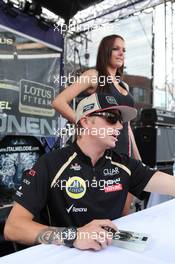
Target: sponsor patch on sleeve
(31, 173)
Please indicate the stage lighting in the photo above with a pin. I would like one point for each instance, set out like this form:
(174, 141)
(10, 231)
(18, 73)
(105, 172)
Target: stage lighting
(10, 9)
(44, 22)
(32, 8)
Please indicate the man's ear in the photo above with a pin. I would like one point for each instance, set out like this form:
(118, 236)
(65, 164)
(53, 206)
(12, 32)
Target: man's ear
(84, 122)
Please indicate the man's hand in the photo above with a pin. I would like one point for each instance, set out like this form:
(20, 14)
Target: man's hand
(94, 236)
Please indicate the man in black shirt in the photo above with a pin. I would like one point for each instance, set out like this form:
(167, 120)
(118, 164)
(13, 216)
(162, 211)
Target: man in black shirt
(71, 195)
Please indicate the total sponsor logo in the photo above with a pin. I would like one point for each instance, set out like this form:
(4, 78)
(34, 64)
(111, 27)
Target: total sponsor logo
(76, 187)
(74, 209)
(113, 188)
(113, 185)
(111, 171)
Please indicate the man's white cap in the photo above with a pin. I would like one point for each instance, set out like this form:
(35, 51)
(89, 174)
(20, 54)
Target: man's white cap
(103, 102)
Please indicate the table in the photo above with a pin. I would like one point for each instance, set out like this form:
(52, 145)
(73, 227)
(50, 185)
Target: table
(159, 221)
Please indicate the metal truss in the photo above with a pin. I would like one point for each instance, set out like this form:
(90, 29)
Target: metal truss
(110, 11)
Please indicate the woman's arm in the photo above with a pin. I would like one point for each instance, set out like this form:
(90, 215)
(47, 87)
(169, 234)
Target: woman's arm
(87, 81)
(137, 156)
(133, 144)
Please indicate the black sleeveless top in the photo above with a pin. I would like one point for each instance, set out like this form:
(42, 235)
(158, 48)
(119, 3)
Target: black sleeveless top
(122, 145)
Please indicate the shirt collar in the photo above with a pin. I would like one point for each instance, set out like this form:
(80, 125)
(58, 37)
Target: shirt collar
(86, 159)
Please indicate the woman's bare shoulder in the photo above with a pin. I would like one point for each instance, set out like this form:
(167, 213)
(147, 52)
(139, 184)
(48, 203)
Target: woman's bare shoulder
(91, 72)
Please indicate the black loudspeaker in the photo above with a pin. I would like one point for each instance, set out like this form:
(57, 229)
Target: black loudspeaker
(156, 144)
(153, 116)
(168, 168)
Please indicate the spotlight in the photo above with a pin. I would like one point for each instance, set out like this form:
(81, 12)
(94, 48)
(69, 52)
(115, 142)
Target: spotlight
(32, 8)
(86, 55)
(10, 9)
(44, 22)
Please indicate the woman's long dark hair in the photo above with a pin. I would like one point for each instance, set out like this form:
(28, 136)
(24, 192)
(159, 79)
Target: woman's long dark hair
(103, 58)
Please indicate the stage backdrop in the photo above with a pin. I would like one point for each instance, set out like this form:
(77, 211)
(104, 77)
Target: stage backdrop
(30, 66)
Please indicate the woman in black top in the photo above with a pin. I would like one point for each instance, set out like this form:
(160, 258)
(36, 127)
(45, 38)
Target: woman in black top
(123, 144)
(107, 77)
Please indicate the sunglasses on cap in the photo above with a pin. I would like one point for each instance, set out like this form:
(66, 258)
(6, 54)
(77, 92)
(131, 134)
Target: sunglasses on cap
(111, 118)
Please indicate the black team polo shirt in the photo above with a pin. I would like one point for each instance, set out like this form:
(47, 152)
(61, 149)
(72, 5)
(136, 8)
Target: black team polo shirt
(64, 186)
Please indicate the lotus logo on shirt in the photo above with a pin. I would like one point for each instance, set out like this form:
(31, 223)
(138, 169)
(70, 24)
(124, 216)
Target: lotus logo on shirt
(76, 187)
